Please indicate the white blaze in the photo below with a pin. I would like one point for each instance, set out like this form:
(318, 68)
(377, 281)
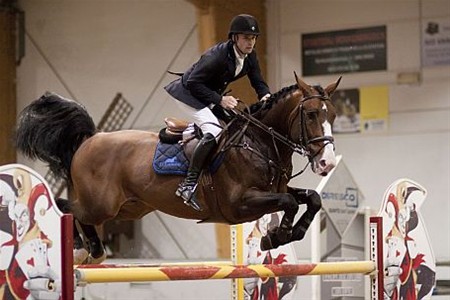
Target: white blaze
(328, 151)
(327, 161)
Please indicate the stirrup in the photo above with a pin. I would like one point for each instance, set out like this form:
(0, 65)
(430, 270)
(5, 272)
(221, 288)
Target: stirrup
(187, 193)
(193, 203)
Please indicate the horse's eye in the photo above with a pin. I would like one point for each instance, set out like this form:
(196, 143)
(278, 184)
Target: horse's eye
(311, 114)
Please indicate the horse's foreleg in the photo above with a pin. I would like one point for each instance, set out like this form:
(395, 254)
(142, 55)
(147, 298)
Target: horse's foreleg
(259, 203)
(313, 205)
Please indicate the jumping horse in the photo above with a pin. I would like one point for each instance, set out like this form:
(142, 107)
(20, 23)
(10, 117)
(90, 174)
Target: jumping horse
(110, 175)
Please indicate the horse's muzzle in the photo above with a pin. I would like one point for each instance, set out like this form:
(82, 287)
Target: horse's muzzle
(324, 163)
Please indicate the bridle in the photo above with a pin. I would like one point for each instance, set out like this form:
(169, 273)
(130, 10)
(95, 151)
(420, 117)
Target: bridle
(305, 141)
(301, 148)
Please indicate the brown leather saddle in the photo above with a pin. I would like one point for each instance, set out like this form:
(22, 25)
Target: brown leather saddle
(173, 134)
(175, 126)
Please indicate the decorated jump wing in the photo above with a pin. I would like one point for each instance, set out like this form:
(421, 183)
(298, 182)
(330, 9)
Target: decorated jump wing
(409, 263)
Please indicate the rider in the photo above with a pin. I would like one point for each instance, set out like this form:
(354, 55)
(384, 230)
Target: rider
(203, 85)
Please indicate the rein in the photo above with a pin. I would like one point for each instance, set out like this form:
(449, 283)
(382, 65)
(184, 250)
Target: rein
(300, 148)
(297, 148)
(276, 136)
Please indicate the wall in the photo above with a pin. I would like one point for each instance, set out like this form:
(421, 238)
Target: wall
(90, 50)
(417, 142)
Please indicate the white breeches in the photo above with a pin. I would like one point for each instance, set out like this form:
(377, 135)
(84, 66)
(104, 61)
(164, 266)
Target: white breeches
(204, 118)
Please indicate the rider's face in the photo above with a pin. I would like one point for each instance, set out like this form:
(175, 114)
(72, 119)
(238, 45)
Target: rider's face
(245, 42)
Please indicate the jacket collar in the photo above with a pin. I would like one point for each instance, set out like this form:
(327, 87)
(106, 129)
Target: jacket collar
(231, 61)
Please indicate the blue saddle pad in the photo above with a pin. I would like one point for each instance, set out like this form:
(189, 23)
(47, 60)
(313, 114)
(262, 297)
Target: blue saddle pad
(170, 159)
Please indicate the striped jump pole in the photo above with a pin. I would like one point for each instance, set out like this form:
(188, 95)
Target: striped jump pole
(114, 273)
(109, 273)
(135, 273)
(205, 271)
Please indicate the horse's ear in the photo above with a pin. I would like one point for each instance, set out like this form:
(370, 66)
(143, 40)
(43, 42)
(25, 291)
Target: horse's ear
(305, 88)
(333, 86)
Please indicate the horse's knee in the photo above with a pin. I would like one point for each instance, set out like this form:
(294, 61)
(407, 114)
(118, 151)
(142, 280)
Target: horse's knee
(315, 202)
(288, 203)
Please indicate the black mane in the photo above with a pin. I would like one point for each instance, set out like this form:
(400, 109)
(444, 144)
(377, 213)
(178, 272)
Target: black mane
(273, 99)
(259, 107)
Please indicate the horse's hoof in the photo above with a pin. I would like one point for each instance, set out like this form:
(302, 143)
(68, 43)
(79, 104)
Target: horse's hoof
(266, 243)
(79, 256)
(95, 260)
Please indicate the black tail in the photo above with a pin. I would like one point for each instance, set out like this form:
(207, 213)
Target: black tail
(51, 129)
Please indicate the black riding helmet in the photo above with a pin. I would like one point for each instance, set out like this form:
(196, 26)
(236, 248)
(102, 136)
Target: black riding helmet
(245, 24)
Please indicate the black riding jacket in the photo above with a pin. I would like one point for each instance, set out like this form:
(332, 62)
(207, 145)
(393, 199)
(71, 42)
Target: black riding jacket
(205, 82)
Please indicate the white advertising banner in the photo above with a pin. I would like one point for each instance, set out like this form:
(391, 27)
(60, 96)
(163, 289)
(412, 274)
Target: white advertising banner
(435, 42)
(341, 197)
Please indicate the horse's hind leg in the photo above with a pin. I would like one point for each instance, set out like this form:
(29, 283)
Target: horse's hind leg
(97, 253)
(80, 253)
(313, 205)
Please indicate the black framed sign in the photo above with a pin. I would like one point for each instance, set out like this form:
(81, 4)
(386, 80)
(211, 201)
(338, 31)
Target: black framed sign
(344, 51)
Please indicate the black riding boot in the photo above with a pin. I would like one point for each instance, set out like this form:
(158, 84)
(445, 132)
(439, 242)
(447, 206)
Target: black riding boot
(187, 187)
